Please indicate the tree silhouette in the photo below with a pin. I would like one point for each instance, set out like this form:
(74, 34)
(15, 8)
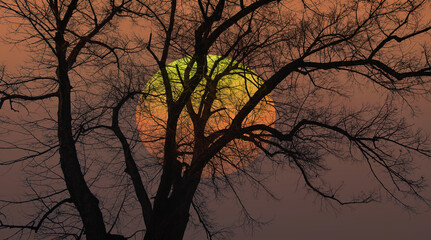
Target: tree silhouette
(302, 59)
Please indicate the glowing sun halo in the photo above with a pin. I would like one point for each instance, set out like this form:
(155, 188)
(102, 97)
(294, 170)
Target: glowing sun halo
(234, 89)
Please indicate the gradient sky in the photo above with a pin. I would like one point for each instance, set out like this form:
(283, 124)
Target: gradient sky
(298, 215)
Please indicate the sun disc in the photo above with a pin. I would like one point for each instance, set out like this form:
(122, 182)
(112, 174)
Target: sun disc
(235, 85)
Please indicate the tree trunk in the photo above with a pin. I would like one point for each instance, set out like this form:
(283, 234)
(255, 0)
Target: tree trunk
(171, 215)
(86, 203)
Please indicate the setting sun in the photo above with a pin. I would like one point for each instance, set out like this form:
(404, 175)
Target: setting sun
(235, 85)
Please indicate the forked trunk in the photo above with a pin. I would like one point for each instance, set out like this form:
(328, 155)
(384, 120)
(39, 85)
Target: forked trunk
(168, 227)
(171, 215)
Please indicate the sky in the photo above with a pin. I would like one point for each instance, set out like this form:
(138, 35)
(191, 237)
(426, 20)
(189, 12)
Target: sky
(297, 215)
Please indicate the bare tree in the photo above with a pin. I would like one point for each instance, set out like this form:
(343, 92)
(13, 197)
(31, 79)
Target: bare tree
(67, 34)
(301, 59)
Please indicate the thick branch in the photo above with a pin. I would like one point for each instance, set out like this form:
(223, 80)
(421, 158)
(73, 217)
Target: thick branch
(11, 97)
(131, 167)
(370, 62)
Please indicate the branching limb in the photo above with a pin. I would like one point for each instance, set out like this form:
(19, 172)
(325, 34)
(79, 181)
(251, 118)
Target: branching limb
(131, 167)
(11, 97)
(31, 225)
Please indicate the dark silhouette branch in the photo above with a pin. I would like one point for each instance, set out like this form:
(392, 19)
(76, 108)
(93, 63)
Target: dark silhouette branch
(131, 168)
(11, 97)
(33, 227)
